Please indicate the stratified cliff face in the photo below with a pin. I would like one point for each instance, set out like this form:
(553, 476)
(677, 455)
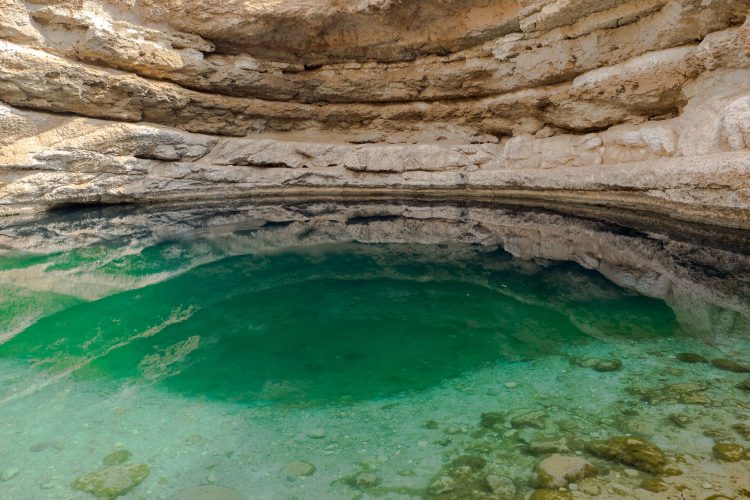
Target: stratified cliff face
(627, 103)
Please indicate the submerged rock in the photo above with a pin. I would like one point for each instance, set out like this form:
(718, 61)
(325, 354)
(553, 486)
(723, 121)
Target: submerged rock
(492, 420)
(467, 463)
(744, 385)
(610, 365)
(112, 481)
(431, 424)
(654, 485)
(686, 392)
(547, 447)
(363, 480)
(630, 450)
(442, 485)
(117, 457)
(316, 433)
(298, 469)
(9, 473)
(730, 365)
(557, 471)
(729, 452)
(691, 357)
(501, 486)
(679, 419)
(743, 430)
(532, 418)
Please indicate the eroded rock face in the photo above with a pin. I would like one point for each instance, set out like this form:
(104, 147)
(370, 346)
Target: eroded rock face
(625, 103)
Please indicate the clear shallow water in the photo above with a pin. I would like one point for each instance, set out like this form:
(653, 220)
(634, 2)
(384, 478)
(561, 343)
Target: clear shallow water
(221, 348)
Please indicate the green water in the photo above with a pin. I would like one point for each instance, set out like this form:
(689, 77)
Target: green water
(218, 357)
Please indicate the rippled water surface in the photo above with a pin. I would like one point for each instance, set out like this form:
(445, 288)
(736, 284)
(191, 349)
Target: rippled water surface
(362, 351)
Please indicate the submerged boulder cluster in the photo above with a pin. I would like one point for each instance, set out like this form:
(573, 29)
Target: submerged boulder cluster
(568, 466)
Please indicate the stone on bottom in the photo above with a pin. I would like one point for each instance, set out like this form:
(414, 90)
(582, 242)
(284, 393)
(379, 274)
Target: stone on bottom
(557, 471)
(112, 481)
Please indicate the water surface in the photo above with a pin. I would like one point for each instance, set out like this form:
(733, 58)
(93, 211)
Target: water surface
(339, 351)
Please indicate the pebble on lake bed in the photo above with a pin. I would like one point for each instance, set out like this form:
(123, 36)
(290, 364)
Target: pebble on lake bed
(610, 365)
(316, 433)
(679, 419)
(9, 473)
(298, 469)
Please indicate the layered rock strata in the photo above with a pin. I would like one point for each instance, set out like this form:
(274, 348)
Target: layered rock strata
(625, 103)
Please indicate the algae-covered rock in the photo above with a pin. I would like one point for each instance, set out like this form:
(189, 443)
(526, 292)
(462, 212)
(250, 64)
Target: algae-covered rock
(729, 452)
(492, 420)
(557, 471)
(630, 450)
(112, 481)
(730, 365)
(464, 477)
(467, 463)
(442, 485)
(298, 469)
(654, 485)
(679, 419)
(363, 480)
(500, 486)
(547, 447)
(431, 424)
(532, 418)
(551, 495)
(743, 430)
(691, 357)
(609, 365)
(744, 385)
(117, 457)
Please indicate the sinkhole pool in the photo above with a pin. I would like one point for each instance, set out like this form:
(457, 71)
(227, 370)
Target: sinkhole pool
(324, 351)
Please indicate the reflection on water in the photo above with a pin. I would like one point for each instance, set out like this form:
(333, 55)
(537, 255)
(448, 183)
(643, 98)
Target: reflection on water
(326, 351)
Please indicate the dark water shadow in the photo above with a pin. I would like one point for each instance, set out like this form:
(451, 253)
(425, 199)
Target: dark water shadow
(335, 323)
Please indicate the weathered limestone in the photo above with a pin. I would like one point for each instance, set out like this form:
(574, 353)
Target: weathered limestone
(626, 103)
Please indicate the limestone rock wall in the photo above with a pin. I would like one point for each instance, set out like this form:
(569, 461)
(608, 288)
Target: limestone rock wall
(628, 103)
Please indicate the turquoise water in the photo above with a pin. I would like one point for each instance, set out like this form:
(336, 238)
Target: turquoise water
(285, 352)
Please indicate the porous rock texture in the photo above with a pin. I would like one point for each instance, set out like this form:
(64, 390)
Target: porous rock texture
(633, 104)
